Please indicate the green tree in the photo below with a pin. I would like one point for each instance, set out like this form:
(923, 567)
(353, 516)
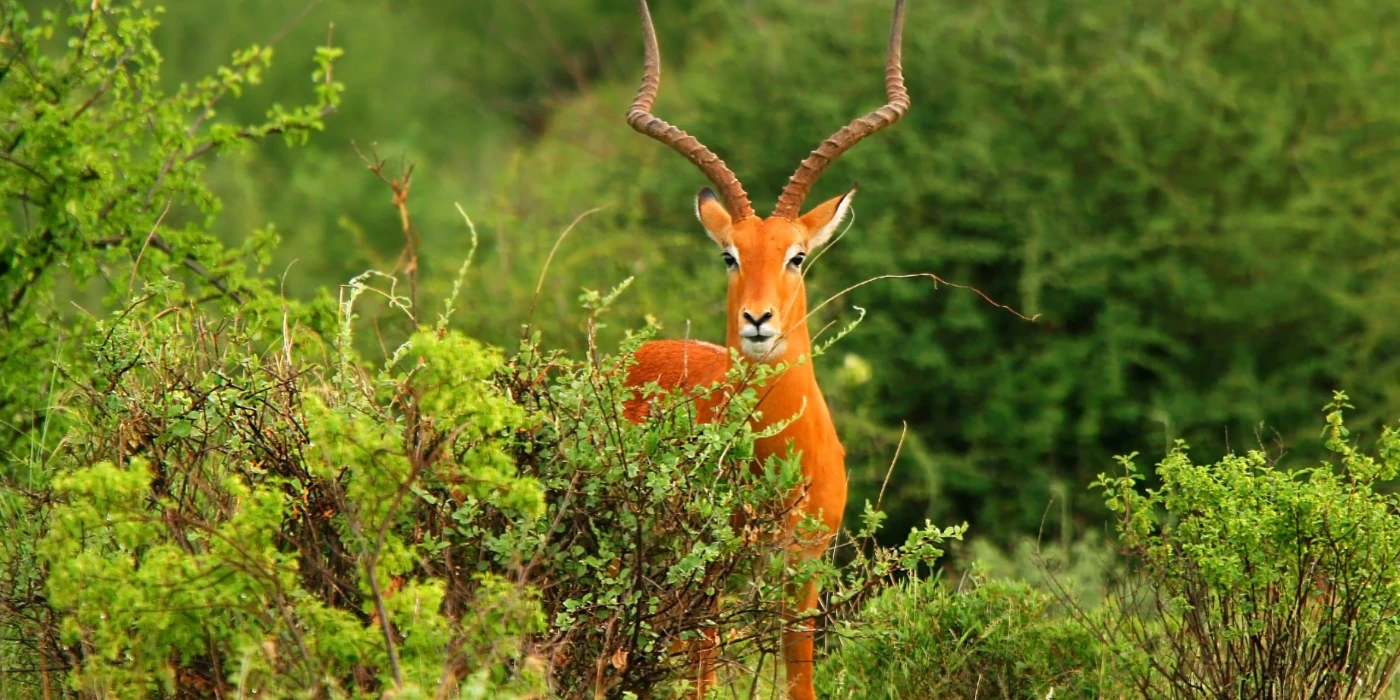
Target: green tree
(103, 174)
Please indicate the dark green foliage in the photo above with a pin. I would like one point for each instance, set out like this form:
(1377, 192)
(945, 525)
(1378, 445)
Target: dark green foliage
(455, 88)
(1198, 198)
(988, 638)
(1262, 583)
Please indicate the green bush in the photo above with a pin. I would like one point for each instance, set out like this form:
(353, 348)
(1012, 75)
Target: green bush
(223, 520)
(216, 491)
(102, 183)
(247, 506)
(1259, 582)
(987, 638)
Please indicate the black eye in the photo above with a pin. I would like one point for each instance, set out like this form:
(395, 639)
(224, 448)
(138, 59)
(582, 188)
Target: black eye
(729, 260)
(796, 260)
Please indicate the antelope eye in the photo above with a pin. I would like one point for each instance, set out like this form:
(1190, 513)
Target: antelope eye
(796, 260)
(729, 260)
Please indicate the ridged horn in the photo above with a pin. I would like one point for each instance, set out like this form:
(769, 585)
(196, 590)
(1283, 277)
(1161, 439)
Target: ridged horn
(641, 119)
(896, 104)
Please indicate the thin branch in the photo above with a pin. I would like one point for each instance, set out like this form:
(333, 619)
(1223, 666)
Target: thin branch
(539, 285)
(104, 87)
(5, 156)
(136, 266)
(210, 145)
(399, 186)
(194, 266)
(928, 275)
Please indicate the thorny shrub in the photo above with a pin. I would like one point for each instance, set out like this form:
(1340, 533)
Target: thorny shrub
(102, 179)
(981, 638)
(229, 518)
(231, 515)
(1258, 582)
(662, 530)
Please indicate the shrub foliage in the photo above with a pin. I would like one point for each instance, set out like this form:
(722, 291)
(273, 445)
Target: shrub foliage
(1258, 582)
(238, 517)
(242, 527)
(984, 638)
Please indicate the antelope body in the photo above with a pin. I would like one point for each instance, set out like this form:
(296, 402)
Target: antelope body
(767, 319)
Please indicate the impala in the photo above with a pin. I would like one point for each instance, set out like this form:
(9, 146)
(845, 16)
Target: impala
(767, 318)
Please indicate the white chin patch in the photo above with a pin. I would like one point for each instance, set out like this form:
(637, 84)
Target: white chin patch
(767, 350)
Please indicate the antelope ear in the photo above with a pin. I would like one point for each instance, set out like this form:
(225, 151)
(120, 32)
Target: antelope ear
(823, 220)
(713, 216)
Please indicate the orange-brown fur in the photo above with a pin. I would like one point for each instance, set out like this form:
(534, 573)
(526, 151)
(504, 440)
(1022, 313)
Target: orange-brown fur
(675, 364)
(766, 281)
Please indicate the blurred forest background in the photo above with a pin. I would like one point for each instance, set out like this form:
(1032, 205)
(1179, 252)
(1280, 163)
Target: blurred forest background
(1197, 200)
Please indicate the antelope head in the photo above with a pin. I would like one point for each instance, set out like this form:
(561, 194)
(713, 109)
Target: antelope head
(767, 302)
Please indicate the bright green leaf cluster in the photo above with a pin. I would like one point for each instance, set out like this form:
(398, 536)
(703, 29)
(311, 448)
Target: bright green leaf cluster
(1244, 554)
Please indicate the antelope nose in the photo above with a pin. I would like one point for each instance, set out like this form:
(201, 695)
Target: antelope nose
(757, 322)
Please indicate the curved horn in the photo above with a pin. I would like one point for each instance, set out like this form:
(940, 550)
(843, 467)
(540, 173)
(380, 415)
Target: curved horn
(641, 119)
(896, 104)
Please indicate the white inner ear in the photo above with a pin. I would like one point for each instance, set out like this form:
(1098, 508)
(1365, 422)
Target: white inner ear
(823, 234)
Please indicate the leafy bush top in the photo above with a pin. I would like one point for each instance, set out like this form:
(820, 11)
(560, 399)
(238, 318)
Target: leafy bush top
(1264, 582)
(987, 638)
